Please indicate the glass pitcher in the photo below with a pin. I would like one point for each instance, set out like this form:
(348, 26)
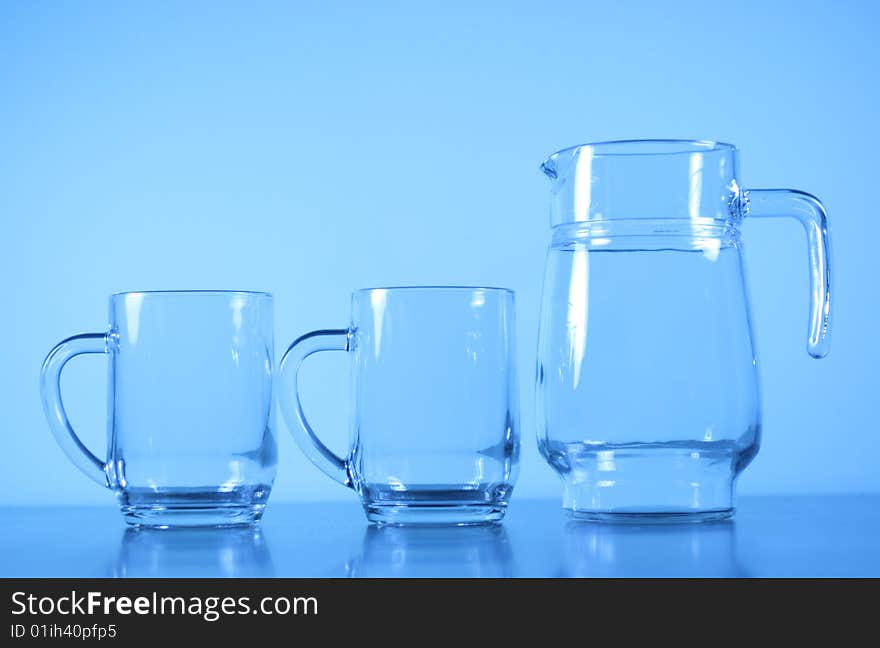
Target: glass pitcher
(648, 400)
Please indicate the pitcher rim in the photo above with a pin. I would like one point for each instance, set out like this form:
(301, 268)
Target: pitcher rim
(678, 147)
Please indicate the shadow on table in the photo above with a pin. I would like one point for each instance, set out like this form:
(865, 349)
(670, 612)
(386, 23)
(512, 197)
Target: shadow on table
(234, 552)
(692, 550)
(432, 552)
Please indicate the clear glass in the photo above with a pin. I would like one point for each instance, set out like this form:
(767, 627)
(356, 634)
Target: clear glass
(647, 387)
(189, 437)
(434, 433)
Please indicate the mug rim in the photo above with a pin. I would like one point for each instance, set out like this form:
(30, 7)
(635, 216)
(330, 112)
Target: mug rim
(492, 289)
(255, 293)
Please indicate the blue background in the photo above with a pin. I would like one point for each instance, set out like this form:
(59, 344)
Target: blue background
(314, 148)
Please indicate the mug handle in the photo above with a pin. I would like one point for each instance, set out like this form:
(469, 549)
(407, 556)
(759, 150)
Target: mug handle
(50, 390)
(319, 454)
(770, 203)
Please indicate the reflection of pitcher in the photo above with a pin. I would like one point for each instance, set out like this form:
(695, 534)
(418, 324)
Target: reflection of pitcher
(193, 553)
(434, 552)
(599, 550)
(648, 399)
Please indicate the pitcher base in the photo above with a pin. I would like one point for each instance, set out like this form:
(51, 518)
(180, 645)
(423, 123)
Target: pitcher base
(649, 483)
(638, 518)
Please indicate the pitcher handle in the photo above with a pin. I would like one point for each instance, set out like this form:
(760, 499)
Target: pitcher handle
(291, 405)
(809, 211)
(50, 390)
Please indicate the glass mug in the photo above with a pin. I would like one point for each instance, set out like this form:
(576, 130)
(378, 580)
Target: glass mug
(434, 431)
(189, 435)
(647, 389)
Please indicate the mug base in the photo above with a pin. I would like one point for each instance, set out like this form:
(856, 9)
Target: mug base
(193, 507)
(435, 504)
(434, 515)
(175, 517)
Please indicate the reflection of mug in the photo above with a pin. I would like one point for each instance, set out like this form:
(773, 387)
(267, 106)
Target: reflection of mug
(434, 430)
(190, 404)
(203, 552)
(597, 550)
(432, 552)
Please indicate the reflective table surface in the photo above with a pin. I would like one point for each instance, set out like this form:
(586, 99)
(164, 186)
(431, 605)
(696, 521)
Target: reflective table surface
(770, 536)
